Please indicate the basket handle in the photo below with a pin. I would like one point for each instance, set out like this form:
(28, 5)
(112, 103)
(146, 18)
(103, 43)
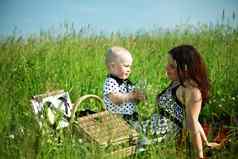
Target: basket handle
(80, 100)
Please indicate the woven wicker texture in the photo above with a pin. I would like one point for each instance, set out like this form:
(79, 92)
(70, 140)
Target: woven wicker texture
(105, 128)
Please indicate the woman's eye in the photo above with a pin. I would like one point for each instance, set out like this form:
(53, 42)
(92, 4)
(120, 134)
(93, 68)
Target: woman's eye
(172, 66)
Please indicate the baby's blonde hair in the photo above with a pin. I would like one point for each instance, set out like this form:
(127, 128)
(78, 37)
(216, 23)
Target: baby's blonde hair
(115, 54)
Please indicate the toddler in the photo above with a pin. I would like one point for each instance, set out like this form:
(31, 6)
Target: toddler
(119, 94)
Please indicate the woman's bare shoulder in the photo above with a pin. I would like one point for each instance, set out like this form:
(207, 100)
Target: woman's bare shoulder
(192, 93)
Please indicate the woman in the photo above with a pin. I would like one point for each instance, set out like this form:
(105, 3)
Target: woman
(180, 104)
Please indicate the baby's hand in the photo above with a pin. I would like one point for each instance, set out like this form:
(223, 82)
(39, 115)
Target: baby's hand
(139, 95)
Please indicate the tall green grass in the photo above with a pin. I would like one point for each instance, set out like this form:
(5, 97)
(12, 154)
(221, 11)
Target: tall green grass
(75, 63)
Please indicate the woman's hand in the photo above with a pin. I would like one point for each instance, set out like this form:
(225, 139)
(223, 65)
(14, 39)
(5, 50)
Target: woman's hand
(214, 145)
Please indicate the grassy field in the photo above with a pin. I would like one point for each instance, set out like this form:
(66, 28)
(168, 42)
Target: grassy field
(75, 63)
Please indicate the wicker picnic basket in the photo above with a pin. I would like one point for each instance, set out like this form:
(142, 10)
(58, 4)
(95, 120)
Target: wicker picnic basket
(106, 129)
(101, 128)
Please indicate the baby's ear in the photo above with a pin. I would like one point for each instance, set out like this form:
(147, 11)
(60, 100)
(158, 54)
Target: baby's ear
(111, 65)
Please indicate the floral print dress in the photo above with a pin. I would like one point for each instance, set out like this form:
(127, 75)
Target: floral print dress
(170, 115)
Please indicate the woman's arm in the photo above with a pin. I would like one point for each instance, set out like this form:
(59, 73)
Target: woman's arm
(193, 104)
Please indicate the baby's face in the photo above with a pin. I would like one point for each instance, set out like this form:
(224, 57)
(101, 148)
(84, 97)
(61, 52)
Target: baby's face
(122, 68)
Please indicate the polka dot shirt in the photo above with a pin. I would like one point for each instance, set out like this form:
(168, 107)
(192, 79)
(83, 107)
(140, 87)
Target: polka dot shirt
(113, 84)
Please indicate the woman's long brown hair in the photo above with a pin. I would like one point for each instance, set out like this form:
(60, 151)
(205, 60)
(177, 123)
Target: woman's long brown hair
(190, 65)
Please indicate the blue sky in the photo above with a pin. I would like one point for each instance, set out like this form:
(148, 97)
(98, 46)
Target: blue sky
(31, 16)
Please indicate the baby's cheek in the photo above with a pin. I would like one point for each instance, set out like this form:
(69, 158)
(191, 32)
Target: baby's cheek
(122, 71)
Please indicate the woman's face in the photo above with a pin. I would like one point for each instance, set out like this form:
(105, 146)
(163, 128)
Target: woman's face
(171, 69)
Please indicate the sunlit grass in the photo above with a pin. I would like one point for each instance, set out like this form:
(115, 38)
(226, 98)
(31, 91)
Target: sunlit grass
(34, 65)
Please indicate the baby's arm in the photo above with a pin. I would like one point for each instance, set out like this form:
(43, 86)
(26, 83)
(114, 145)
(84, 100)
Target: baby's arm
(119, 98)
